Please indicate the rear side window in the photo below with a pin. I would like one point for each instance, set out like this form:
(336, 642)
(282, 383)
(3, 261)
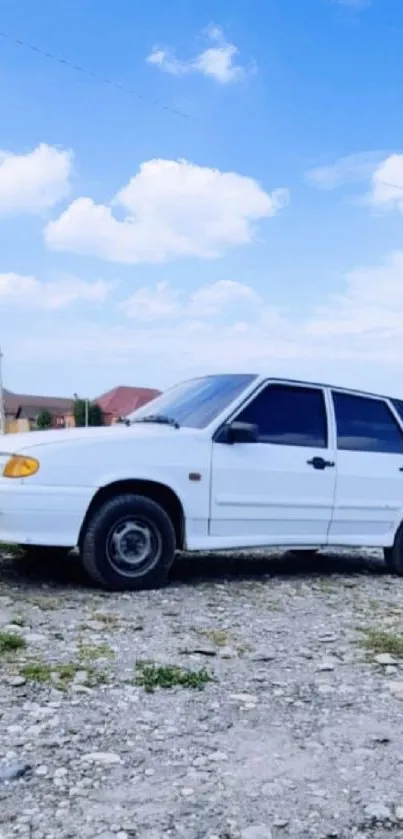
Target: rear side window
(366, 425)
(288, 416)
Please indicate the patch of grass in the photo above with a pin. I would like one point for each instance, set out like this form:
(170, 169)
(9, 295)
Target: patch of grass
(152, 676)
(61, 675)
(106, 617)
(66, 672)
(219, 637)
(37, 671)
(376, 642)
(325, 584)
(41, 671)
(10, 642)
(272, 606)
(47, 604)
(244, 648)
(87, 652)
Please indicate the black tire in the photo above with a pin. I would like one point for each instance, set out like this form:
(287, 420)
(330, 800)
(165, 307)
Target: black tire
(305, 553)
(394, 556)
(147, 525)
(38, 553)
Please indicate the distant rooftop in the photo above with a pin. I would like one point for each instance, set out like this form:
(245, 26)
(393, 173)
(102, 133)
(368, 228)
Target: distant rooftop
(31, 406)
(115, 403)
(122, 400)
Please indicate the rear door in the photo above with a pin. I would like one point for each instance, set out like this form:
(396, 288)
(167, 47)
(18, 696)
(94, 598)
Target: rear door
(369, 489)
(280, 490)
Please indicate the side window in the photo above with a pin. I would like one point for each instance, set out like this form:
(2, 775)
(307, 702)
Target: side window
(288, 416)
(366, 425)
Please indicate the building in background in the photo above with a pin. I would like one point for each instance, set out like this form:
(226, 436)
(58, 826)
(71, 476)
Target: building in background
(122, 400)
(22, 411)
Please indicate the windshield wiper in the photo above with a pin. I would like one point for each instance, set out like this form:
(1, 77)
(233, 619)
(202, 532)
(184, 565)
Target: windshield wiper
(158, 418)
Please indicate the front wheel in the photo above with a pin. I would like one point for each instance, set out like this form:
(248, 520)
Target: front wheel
(129, 543)
(394, 556)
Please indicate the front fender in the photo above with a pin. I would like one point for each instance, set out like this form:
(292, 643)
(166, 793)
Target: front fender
(193, 495)
(141, 475)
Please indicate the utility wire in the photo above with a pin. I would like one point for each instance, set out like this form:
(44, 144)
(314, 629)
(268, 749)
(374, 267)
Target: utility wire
(109, 82)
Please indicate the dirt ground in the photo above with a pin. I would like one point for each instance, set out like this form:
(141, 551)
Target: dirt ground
(254, 697)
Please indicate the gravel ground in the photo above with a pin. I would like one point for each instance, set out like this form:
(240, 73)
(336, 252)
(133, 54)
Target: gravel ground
(299, 734)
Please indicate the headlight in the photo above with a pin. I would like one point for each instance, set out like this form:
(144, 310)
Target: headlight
(19, 466)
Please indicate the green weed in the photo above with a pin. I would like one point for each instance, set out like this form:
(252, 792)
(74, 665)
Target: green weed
(151, 676)
(10, 642)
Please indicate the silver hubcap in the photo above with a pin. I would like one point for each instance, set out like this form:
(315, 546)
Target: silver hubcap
(133, 546)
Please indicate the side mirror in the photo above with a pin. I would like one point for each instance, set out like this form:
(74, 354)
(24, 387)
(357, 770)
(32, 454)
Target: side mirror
(240, 432)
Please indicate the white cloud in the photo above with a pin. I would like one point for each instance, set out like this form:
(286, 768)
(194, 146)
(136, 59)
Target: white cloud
(162, 301)
(347, 170)
(27, 292)
(383, 174)
(370, 310)
(34, 181)
(387, 184)
(213, 299)
(354, 338)
(151, 304)
(217, 62)
(172, 209)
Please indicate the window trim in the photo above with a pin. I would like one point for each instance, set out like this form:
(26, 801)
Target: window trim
(329, 432)
(371, 398)
(395, 412)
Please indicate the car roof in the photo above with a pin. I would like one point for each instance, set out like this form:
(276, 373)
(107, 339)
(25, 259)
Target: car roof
(309, 383)
(260, 378)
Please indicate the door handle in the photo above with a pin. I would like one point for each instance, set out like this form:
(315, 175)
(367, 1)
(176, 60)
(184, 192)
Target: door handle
(320, 463)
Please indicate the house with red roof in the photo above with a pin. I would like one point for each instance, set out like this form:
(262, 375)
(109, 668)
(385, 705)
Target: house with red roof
(122, 400)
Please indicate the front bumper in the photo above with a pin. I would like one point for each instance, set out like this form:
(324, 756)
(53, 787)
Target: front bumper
(41, 515)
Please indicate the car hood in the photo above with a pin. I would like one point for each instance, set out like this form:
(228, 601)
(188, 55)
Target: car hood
(18, 443)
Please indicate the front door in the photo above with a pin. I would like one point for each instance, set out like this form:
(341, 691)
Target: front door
(369, 495)
(280, 490)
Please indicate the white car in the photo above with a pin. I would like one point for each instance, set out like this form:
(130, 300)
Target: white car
(216, 463)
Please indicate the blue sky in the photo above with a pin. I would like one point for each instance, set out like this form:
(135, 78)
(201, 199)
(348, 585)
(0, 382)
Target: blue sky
(262, 231)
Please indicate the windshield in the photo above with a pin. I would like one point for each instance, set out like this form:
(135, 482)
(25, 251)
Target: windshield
(196, 403)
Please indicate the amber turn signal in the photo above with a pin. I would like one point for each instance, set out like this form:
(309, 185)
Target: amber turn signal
(19, 466)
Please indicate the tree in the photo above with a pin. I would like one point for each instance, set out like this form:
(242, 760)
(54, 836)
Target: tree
(79, 413)
(44, 420)
(95, 413)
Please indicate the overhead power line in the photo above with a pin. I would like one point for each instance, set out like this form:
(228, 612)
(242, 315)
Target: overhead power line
(94, 76)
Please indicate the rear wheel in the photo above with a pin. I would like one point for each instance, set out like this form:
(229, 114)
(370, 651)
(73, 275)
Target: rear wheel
(129, 543)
